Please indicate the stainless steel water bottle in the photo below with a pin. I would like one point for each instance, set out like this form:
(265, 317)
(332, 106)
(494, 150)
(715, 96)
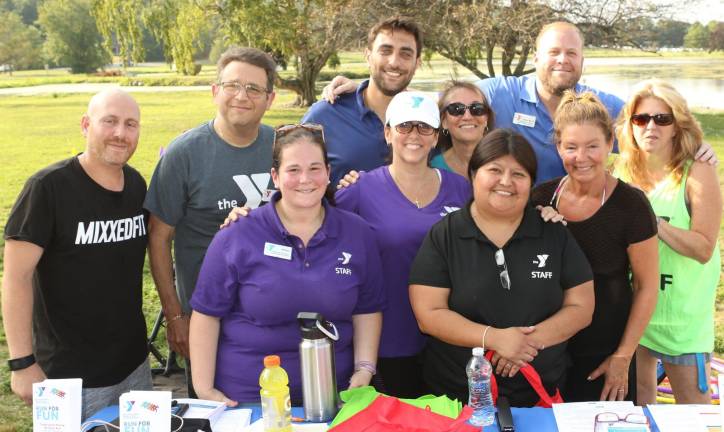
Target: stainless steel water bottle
(319, 377)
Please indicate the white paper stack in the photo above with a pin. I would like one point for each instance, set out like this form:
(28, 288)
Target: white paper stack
(677, 418)
(57, 405)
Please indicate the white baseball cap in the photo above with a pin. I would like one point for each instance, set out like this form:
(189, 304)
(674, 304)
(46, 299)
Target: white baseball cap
(412, 106)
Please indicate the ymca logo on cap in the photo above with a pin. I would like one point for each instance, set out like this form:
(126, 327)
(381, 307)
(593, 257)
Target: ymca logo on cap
(412, 106)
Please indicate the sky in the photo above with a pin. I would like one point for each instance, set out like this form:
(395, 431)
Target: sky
(702, 11)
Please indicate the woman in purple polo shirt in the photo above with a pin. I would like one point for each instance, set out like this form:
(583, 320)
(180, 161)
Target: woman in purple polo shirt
(298, 253)
(401, 202)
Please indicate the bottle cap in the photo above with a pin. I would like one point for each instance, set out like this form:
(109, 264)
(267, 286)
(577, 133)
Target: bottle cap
(478, 351)
(272, 360)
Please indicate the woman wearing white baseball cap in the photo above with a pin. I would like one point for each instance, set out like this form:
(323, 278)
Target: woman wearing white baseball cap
(401, 201)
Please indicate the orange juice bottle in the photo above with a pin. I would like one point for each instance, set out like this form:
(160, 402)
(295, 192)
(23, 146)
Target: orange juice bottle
(276, 407)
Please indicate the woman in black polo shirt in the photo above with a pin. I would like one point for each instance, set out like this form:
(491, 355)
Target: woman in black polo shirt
(495, 275)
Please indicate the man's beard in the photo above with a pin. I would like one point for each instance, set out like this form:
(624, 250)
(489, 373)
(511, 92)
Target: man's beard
(390, 92)
(558, 88)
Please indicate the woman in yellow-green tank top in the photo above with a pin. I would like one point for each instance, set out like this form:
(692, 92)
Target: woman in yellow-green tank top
(658, 137)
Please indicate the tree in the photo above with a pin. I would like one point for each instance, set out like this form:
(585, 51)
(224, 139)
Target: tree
(72, 38)
(20, 44)
(118, 21)
(307, 32)
(697, 36)
(670, 33)
(178, 24)
(716, 37)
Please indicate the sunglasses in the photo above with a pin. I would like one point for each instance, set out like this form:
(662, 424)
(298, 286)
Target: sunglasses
(477, 109)
(503, 268)
(422, 128)
(659, 119)
(286, 129)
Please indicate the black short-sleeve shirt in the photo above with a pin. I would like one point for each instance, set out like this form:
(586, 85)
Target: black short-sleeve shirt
(88, 285)
(624, 219)
(543, 260)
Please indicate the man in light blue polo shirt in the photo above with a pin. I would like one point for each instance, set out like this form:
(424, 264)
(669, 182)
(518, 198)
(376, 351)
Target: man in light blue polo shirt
(528, 103)
(354, 124)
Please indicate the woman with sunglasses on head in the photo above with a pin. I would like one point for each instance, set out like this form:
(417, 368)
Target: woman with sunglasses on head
(400, 202)
(623, 255)
(494, 274)
(297, 254)
(659, 137)
(466, 117)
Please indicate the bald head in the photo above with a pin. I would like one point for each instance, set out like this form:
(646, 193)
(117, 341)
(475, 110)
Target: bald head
(111, 127)
(114, 97)
(558, 27)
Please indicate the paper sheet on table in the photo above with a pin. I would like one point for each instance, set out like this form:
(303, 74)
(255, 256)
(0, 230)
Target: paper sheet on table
(258, 426)
(580, 416)
(233, 420)
(709, 414)
(677, 418)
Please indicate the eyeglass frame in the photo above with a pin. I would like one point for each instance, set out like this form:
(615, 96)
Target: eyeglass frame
(484, 106)
(504, 275)
(288, 128)
(661, 119)
(238, 86)
(596, 421)
(415, 125)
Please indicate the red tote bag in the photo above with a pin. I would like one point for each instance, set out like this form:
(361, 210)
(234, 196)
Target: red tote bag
(388, 414)
(531, 375)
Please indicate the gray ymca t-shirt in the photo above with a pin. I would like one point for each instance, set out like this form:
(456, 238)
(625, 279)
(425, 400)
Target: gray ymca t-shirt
(198, 180)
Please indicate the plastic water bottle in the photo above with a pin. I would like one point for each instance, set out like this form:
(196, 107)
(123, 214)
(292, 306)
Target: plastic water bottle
(480, 398)
(276, 408)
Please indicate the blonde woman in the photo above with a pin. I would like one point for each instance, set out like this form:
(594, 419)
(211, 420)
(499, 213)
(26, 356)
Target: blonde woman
(659, 138)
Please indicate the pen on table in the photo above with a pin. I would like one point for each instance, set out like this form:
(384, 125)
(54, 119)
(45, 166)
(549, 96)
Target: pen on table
(298, 420)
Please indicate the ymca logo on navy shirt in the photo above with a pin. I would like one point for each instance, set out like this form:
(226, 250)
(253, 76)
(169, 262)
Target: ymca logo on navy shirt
(344, 260)
(540, 262)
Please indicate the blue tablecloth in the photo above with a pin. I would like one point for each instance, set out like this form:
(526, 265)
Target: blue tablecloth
(525, 419)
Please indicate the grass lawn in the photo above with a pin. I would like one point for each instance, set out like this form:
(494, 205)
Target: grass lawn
(37, 131)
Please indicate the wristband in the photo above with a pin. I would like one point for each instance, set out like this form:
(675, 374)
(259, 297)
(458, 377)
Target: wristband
(485, 332)
(365, 365)
(21, 363)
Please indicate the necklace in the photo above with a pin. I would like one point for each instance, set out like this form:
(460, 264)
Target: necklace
(415, 198)
(562, 185)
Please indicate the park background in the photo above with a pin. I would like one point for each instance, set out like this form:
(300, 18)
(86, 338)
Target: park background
(55, 53)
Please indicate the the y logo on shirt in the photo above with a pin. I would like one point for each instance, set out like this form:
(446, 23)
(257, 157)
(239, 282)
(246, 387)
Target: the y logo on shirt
(254, 188)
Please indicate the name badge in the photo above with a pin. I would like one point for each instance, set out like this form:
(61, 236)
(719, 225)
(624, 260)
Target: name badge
(278, 251)
(524, 120)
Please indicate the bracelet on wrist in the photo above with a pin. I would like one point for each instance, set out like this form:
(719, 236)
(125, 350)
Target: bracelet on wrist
(21, 363)
(365, 365)
(175, 318)
(485, 332)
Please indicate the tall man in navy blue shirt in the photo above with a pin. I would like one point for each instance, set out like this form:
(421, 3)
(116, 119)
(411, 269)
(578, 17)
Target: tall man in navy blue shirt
(353, 126)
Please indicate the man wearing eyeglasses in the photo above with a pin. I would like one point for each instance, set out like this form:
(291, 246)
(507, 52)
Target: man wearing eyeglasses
(205, 172)
(354, 124)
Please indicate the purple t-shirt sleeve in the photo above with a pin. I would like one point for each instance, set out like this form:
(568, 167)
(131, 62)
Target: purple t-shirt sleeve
(371, 297)
(217, 285)
(347, 198)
